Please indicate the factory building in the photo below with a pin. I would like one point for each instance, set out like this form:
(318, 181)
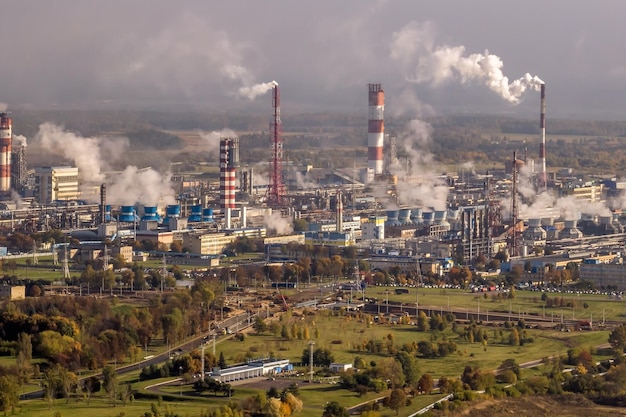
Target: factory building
(374, 228)
(56, 184)
(207, 243)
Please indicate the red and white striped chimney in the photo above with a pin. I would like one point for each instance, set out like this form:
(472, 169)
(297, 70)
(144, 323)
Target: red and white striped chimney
(229, 160)
(6, 137)
(543, 175)
(376, 128)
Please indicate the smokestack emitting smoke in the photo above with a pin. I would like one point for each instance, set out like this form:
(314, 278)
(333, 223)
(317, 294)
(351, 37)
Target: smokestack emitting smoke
(375, 128)
(251, 92)
(543, 175)
(424, 62)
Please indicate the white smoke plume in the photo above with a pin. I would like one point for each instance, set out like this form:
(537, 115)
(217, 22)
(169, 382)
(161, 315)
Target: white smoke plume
(419, 185)
(212, 139)
(277, 223)
(17, 200)
(144, 186)
(305, 183)
(94, 154)
(424, 61)
(20, 140)
(251, 92)
(90, 155)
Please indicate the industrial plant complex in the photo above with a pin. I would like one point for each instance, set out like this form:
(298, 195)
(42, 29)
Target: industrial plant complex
(394, 216)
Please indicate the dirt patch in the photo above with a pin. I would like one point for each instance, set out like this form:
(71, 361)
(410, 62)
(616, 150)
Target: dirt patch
(565, 405)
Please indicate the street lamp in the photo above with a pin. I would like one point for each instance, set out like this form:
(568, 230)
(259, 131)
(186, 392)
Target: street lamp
(180, 372)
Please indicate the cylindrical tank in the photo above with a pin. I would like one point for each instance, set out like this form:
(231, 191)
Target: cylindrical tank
(196, 214)
(392, 217)
(172, 210)
(428, 217)
(416, 215)
(404, 217)
(207, 215)
(127, 214)
(440, 216)
(150, 214)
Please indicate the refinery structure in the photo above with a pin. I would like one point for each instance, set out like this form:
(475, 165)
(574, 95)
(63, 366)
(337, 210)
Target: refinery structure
(374, 208)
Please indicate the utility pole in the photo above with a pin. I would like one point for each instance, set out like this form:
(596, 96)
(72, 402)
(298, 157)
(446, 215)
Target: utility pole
(311, 343)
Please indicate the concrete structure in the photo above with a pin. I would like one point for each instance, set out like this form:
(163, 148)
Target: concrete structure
(375, 129)
(251, 369)
(56, 183)
(13, 292)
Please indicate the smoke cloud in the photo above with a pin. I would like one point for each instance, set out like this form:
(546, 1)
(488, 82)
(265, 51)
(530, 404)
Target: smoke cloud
(93, 155)
(419, 185)
(212, 139)
(277, 223)
(89, 155)
(423, 61)
(144, 186)
(20, 140)
(251, 92)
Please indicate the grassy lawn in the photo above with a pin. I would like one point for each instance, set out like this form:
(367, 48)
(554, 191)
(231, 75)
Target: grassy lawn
(346, 336)
(524, 303)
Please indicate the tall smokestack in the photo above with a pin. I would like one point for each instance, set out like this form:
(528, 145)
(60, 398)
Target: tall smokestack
(103, 202)
(229, 161)
(376, 128)
(543, 175)
(339, 210)
(6, 137)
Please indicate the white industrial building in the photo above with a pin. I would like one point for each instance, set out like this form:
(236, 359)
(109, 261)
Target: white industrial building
(251, 369)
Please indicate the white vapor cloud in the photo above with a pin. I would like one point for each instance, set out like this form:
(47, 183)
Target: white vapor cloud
(423, 61)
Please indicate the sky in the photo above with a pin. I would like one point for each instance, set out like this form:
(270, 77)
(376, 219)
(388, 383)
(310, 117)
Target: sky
(430, 57)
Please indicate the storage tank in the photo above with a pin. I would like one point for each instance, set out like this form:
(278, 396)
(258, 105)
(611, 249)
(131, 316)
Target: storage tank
(127, 214)
(392, 217)
(404, 217)
(196, 214)
(150, 214)
(416, 216)
(207, 215)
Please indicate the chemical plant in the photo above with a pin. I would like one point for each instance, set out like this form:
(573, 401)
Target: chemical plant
(395, 217)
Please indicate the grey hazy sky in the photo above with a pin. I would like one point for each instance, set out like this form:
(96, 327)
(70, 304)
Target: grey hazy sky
(197, 54)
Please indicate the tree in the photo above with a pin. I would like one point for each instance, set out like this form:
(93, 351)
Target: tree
(617, 338)
(91, 385)
(410, 367)
(109, 380)
(396, 400)
(334, 409)
(222, 361)
(426, 384)
(9, 393)
(321, 356)
(422, 322)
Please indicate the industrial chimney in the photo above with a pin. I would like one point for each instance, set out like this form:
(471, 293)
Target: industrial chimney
(543, 176)
(6, 137)
(229, 161)
(376, 129)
